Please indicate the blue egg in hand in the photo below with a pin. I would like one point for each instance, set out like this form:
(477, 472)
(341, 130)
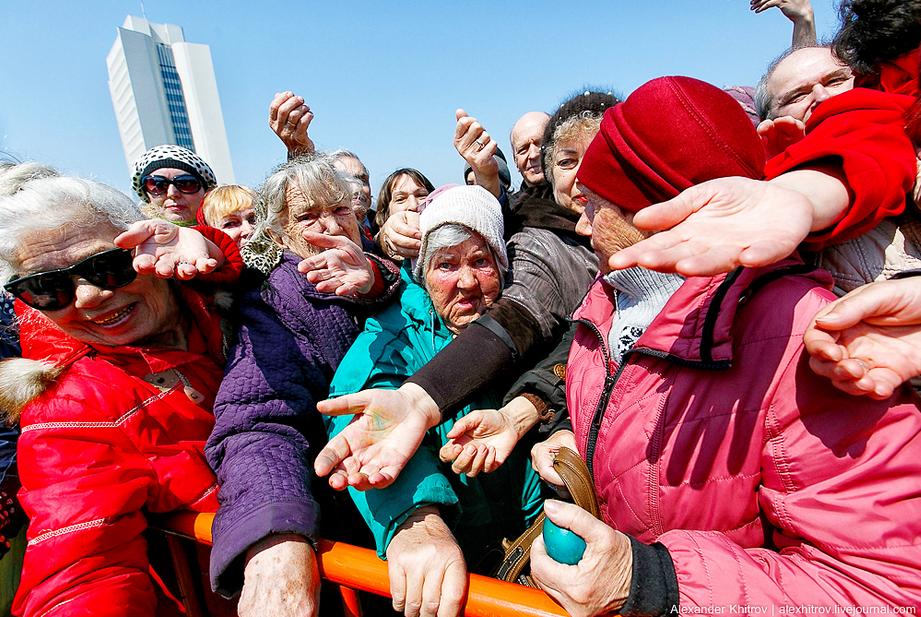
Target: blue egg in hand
(562, 544)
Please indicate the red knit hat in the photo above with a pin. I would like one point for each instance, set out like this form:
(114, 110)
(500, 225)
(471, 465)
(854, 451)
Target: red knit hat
(670, 134)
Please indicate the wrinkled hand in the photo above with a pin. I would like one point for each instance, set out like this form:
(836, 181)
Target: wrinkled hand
(428, 576)
(289, 118)
(476, 147)
(869, 341)
(718, 225)
(400, 237)
(169, 251)
(480, 441)
(600, 582)
(372, 450)
(483, 439)
(543, 453)
(280, 579)
(341, 269)
(792, 9)
(780, 133)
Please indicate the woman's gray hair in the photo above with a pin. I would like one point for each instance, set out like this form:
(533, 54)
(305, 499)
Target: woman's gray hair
(314, 175)
(446, 236)
(13, 176)
(53, 202)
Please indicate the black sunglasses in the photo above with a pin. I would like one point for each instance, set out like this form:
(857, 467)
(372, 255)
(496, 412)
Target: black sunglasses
(157, 185)
(55, 289)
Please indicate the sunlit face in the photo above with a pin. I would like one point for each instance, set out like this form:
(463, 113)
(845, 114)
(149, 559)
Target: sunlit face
(406, 194)
(329, 219)
(136, 314)
(239, 225)
(564, 166)
(610, 228)
(804, 79)
(355, 169)
(176, 206)
(527, 137)
(463, 281)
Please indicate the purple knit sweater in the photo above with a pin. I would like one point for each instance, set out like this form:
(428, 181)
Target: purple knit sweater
(267, 429)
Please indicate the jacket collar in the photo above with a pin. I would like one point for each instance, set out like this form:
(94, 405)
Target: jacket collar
(695, 327)
(41, 339)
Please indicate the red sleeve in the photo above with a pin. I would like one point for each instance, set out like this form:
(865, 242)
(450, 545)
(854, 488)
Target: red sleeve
(232, 267)
(860, 136)
(379, 286)
(85, 497)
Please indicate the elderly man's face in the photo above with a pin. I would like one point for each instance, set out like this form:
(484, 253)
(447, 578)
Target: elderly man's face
(353, 168)
(610, 228)
(463, 281)
(804, 79)
(527, 137)
(328, 219)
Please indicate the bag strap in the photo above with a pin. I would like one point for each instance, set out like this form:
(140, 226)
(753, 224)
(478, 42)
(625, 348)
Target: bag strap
(577, 480)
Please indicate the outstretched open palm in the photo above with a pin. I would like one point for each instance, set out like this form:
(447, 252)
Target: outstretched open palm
(718, 225)
(374, 448)
(869, 341)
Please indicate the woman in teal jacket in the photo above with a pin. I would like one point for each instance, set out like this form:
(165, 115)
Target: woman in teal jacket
(423, 521)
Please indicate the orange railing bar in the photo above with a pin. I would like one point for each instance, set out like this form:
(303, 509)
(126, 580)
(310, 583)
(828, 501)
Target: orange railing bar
(361, 569)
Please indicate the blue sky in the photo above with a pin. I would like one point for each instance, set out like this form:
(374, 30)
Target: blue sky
(383, 78)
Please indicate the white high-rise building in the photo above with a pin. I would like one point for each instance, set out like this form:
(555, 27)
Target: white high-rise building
(164, 92)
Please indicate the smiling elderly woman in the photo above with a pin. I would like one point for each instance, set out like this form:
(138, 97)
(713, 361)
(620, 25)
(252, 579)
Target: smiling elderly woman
(113, 394)
(290, 339)
(457, 277)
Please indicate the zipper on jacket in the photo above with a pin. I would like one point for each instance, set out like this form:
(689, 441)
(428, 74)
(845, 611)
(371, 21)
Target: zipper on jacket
(610, 380)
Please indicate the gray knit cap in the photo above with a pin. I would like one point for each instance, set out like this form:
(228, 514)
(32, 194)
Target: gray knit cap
(470, 206)
(175, 157)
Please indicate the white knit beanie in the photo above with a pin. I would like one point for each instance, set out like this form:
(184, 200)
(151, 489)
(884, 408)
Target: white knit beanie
(470, 206)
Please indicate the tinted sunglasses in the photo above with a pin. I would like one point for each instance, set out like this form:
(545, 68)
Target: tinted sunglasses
(157, 185)
(55, 289)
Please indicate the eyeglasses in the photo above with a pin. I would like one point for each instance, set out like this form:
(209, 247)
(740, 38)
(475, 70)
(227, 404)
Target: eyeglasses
(55, 289)
(157, 185)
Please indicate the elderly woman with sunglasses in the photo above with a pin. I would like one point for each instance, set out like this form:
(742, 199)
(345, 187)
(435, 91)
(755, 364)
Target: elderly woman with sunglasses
(171, 182)
(113, 394)
(291, 336)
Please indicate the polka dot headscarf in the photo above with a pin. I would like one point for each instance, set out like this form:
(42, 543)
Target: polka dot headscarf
(175, 157)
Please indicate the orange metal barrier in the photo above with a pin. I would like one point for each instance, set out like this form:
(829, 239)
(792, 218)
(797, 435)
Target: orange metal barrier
(361, 569)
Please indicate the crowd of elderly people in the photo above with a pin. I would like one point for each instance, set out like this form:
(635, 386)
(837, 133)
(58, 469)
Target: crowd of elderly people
(709, 295)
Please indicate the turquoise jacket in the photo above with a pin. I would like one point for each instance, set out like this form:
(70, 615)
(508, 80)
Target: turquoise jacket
(482, 510)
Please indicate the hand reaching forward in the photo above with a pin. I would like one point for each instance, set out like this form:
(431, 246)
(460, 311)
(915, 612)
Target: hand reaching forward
(428, 575)
(483, 439)
(289, 118)
(780, 133)
(168, 250)
(869, 341)
(373, 449)
(718, 225)
(400, 237)
(341, 269)
(476, 147)
(600, 583)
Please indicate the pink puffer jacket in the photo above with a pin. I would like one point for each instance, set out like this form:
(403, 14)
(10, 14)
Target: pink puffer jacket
(769, 487)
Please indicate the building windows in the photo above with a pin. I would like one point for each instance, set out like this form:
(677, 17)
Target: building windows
(175, 101)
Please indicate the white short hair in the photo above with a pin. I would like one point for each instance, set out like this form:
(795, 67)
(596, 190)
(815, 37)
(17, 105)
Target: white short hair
(53, 202)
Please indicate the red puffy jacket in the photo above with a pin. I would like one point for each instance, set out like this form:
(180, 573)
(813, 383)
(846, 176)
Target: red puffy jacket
(119, 434)
(769, 487)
